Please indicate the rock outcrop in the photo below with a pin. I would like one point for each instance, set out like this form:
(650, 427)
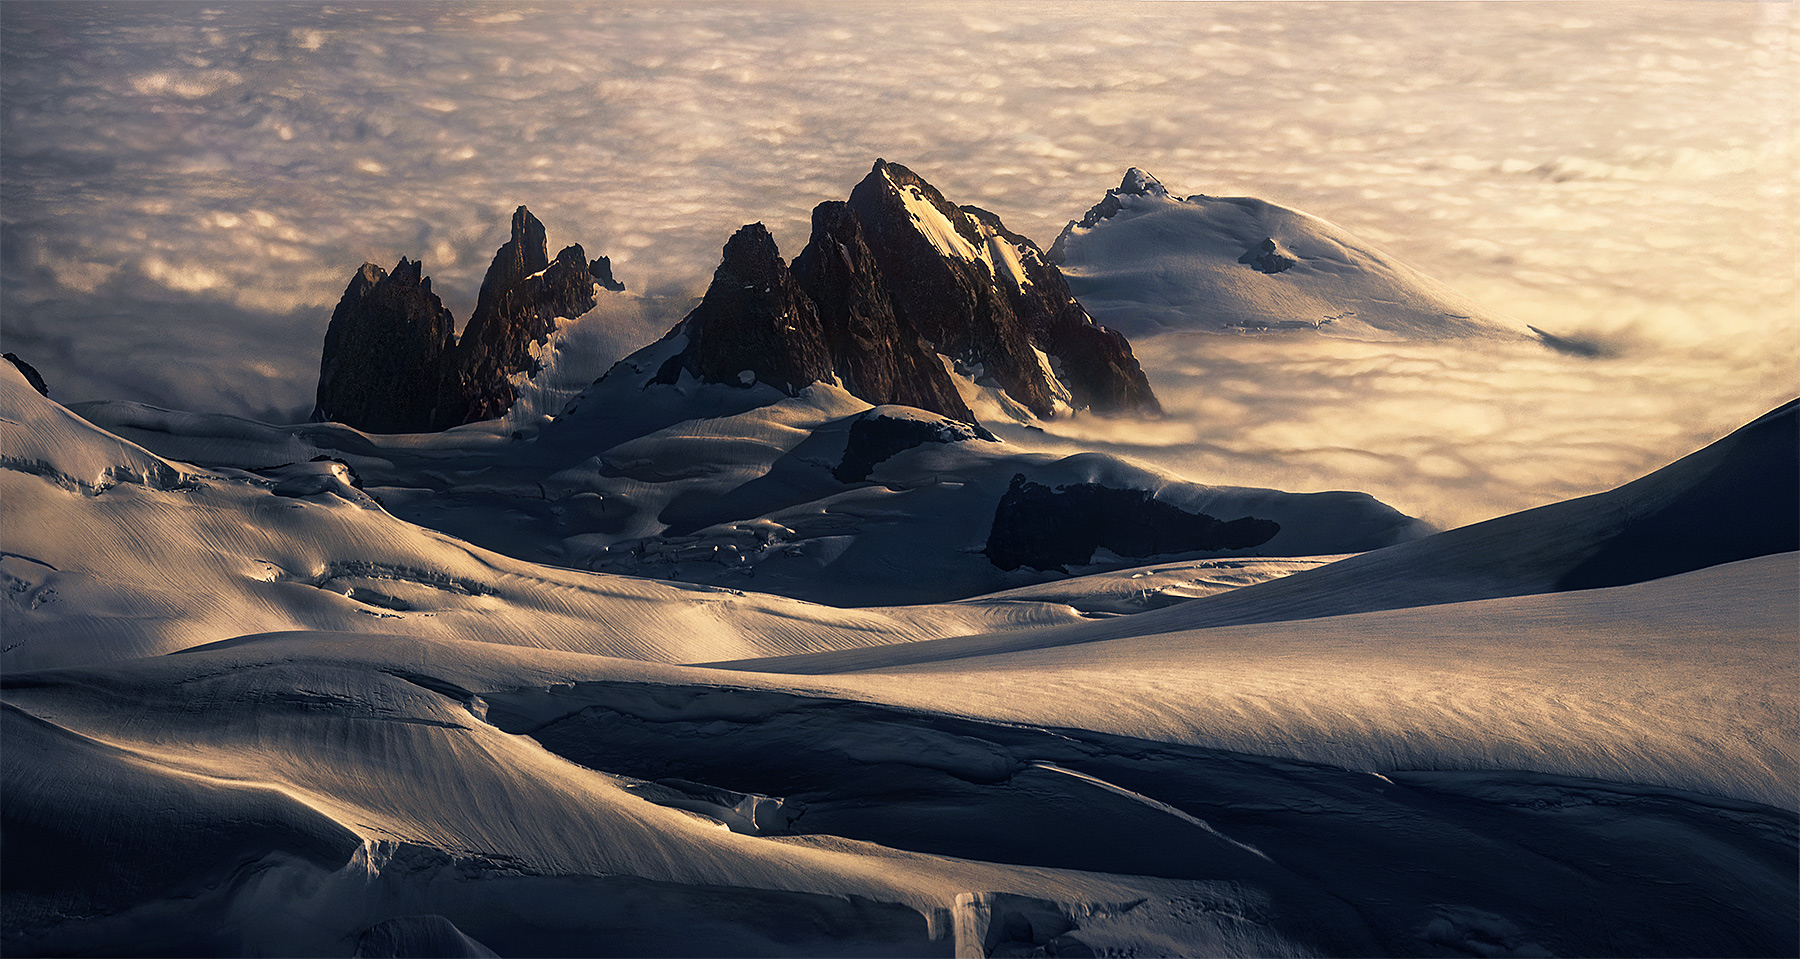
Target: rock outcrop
(1135, 183)
(877, 436)
(989, 300)
(392, 362)
(895, 287)
(893, 284)
(521, 298)
(1054, 528)
(30, 373)
(879, 357)
(1268, 257)
(755, 325)
(386, 350)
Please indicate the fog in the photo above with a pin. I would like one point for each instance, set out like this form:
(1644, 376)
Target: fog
(187, 189)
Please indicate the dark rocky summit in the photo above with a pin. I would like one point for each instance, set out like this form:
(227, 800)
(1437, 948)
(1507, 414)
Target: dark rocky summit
(392, 362)
(875, 438)
(755, 325)
(988, 299)
(30, 373)
(1046, 528)
(521, 298)
(879, 357)
(385, 352)
(893, 286)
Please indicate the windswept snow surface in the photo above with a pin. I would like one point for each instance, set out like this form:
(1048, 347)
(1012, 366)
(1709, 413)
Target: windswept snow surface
(250, 712)
(1342, 786)
(113, 553)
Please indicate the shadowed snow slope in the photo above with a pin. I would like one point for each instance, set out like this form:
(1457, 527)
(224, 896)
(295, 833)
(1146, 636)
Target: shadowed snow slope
(815, 496)
(1736, 499)
(1143, 261)
(113, 553)
(308, 787)
(463, 766)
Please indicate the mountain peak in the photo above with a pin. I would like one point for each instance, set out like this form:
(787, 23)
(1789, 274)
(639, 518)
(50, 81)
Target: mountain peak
(1139, 183)
(877, 356)
(754, 325)
(392, 361)
(988, 299)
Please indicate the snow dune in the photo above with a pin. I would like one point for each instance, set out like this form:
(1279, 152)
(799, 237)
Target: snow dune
(316, 786)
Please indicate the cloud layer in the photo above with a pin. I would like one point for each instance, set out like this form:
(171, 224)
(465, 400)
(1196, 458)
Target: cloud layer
(187, 190)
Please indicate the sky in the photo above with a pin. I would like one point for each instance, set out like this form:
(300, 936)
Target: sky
(185, 190)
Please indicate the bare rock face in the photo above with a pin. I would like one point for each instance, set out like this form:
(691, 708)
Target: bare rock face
(990, 300)
(1053, 528)
(385, 352)
(755, 324)
(878, 357)
(521, 298)
(930, 253)
(1096, 363)
(875, 438)
(1268, 257)
(30, 373)
(392, 362)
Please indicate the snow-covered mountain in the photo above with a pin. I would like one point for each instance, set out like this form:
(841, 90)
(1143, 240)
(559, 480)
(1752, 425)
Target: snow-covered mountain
(1143, 260)
(376, 739)
(635, 678)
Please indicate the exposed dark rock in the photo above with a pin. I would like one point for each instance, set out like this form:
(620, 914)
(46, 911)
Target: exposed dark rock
(1268, 257)
(521, 298)
(1096, 363)
(960, 291)
(879, 358)
(30, 373)
(601, 269)
(875, 438)
(1045, 528)
(392, 361)
(1135, 183)
(755, 325)
(953, 302)
(385, 352)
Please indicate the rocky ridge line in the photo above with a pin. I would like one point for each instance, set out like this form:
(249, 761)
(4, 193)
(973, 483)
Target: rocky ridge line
(392, 362)
(894, 282)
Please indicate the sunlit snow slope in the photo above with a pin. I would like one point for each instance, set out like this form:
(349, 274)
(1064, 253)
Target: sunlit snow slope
(1143, 261)
(251, 712)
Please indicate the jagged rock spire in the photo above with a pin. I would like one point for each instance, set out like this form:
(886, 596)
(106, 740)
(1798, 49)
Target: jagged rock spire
(522, 296)
(392, 362)
(878, 358)
(388, 335)
(989, 299)
(755, 325)
(930, 253)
